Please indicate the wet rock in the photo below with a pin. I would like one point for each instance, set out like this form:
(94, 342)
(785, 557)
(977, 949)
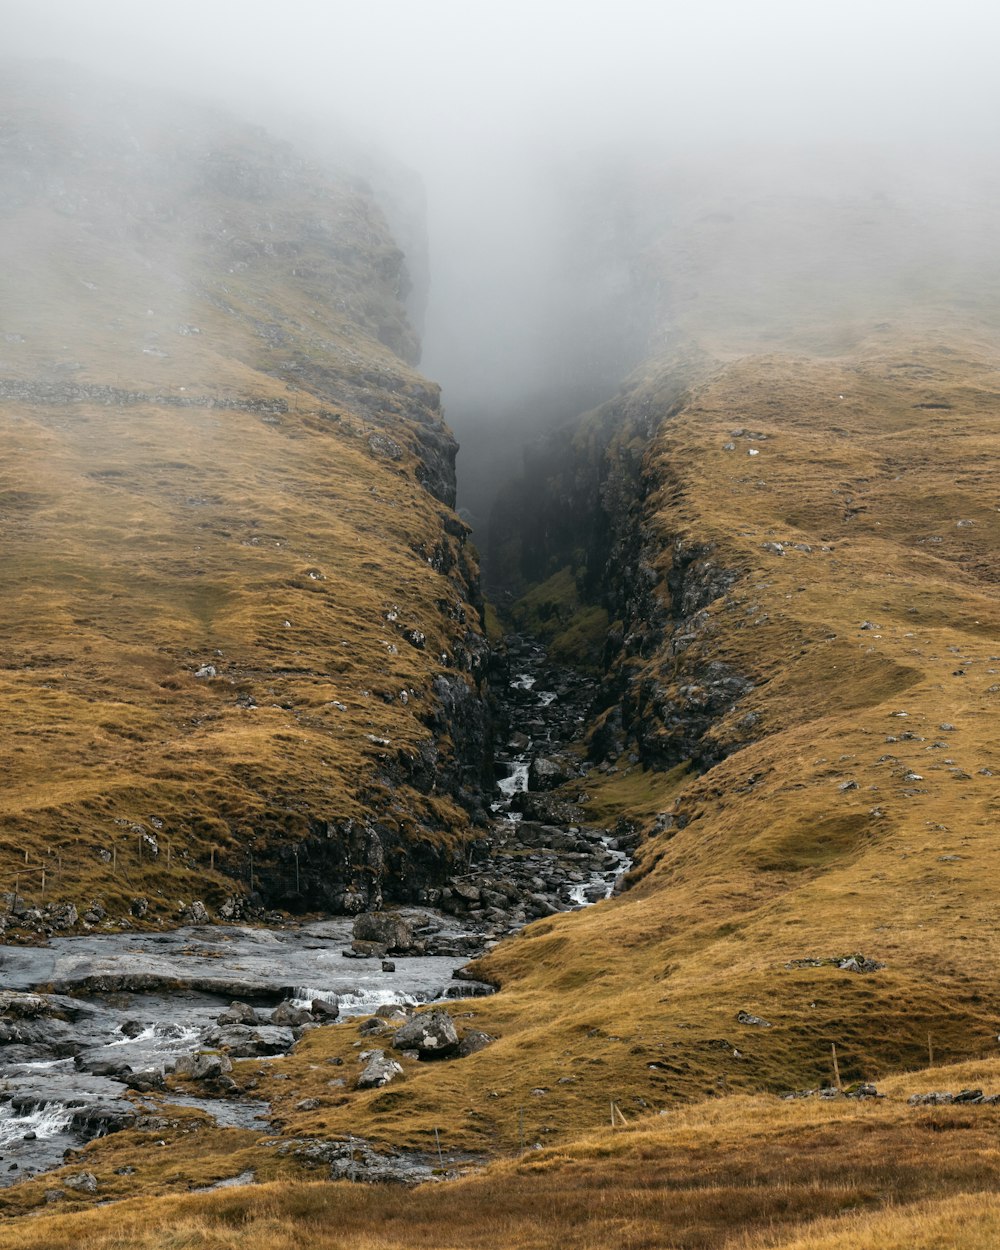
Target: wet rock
(547, 774)
(365, 950)
(379, 1070)
(145, 1082)
(101, 1067)
(388, 965)
(385, 929)
(287, 1013)
(324, 1010)
(432, 1034)
(242, 1042)
(206, 1065)
(239, 1013)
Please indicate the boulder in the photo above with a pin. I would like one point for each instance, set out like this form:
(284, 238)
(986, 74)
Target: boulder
(206, 1065)
(287, 1013)
(196, 913)
(547, 774)
(238, 1013)
(325, 1009)
(474, 1041)
(83, 1182)
(432, 1034)
(384, 929)
(243, 1042)
(379, 1070)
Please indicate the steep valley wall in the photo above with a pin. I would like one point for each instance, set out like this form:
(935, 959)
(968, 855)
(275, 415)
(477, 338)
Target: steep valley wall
(242, 661)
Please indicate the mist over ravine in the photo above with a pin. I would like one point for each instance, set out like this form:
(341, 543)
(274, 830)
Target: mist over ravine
(572, 182)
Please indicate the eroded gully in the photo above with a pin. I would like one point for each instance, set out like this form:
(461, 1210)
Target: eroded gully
(91, 1025)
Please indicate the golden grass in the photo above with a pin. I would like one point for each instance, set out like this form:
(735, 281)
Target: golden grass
(708, 1176)
(141, 540)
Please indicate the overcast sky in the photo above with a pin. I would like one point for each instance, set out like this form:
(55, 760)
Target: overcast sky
(483, 71)
(493, 101)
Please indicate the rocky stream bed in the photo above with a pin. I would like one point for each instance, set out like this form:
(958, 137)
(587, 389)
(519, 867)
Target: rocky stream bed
(91, 1024)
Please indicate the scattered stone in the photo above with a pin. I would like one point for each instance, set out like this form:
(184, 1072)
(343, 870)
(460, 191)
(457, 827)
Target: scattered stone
(287, 1013)
(324, 1010)
(384, 929)
(83, 1182)
(378, 1071)
(473, 1041)
(196, 913)
(238, 1013)
(432, 1034)
(757, 1022)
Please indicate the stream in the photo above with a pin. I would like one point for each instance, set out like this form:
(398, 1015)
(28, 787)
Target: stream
(90, 1023)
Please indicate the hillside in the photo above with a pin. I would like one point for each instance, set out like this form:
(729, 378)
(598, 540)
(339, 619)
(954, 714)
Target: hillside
(843, 806)
(237, 599)
(231, 555)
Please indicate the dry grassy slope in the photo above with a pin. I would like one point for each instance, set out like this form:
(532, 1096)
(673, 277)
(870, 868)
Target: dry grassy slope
(740, 1173)
(637, 998)
(208, 457)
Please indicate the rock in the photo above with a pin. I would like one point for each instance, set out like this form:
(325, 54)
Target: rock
(61, 916)
(83, 1182)
(242, 1042)
(146, 1081)
(366, 950)
(287, 1013)
(196, 913)
(385, 929)
(465, 891)
(388, 965)
(206, 1065)
(102, 1067)
(936, 1098)
(307, 1104)
(858, 963)
(238, 1013)
(547, 774)
(969, 1095)
(378, 1071)
(473, 1041)
(394, 1013)
(139, 907)
(432, 1034)
(373, 1026)
(757, 1022)
(54, 1195)
(324, 1010)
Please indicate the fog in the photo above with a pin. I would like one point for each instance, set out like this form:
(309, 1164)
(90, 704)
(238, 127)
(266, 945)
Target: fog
(559, 142)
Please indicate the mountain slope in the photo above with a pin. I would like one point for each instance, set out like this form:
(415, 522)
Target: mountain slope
(237, 598)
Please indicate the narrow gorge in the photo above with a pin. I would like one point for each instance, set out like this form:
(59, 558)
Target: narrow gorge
(614, 870)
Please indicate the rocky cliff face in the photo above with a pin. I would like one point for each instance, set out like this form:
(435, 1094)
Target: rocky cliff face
(588, 521)
(242, 654)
